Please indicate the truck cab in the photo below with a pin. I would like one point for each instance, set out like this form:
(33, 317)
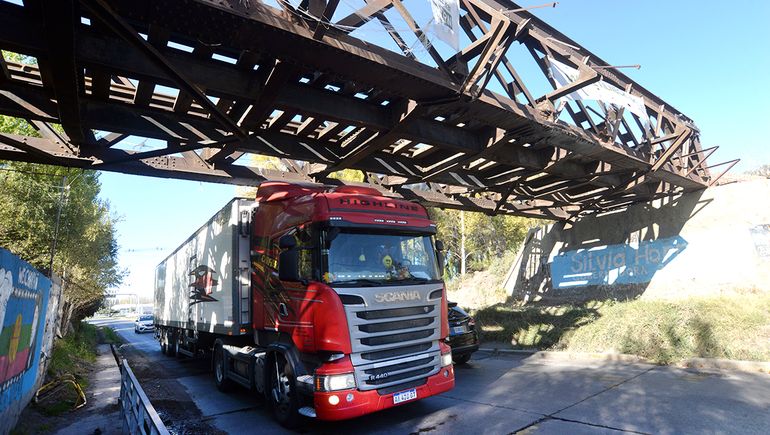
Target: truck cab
(349, 281)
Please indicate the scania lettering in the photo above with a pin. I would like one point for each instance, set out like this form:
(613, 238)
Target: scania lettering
(397, 296)
(327, 301)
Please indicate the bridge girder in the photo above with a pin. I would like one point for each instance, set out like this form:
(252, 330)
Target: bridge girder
(215, 80)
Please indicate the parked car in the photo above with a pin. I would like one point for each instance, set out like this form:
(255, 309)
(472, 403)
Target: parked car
(463, 337)
(144, 323)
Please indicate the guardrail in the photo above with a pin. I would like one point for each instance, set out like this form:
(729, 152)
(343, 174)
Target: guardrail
(137, 413)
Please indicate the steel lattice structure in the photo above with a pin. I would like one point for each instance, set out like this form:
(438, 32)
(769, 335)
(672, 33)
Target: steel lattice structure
(217, 80)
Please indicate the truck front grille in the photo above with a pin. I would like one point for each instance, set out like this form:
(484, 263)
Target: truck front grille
(394, 343)
(394, 353)
(396, 338)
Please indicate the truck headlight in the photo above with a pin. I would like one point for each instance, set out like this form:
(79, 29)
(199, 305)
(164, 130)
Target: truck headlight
(446, 359)
(344, 381)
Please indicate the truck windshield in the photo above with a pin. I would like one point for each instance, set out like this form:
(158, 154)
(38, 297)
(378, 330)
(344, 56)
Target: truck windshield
(381, 258)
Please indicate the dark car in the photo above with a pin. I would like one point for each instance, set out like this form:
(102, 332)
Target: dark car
(463, 337)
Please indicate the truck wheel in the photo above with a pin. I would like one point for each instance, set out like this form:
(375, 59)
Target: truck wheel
(461, 359)
(176, 347)
(163, 339)
(223, 383)
(172, 342)
(283, 395)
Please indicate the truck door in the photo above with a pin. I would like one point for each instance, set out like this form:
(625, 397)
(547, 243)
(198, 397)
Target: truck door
(291, 301)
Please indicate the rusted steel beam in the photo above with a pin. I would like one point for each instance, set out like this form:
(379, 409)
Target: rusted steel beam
(409, 111)
(60, 18)
(669, 152)
(102, 11)
(325, 14)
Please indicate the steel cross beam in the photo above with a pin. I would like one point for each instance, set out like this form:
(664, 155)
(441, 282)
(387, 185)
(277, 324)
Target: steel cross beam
(209, 82)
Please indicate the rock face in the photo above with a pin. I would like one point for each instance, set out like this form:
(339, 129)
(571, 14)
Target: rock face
(711, 242)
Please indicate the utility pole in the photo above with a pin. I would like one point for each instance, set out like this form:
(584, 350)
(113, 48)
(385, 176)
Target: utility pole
(56, 227)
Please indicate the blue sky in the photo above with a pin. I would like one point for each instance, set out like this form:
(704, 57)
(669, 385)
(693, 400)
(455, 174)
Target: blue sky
(708, 59)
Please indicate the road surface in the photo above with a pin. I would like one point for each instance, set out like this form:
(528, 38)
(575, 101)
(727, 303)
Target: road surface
(495, 394)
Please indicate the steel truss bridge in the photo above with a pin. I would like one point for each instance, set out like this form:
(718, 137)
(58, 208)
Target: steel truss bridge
(487, 128)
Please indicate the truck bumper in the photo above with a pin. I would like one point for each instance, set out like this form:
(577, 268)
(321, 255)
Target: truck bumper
(366, 402)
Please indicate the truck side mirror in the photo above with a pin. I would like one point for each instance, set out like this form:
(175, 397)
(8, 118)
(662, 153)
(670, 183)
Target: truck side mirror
(288, 260)
(287, 242)
(288, 265)
(440, 255)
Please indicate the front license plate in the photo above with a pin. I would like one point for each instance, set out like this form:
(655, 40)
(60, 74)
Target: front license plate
(404, 396)
(458, 330)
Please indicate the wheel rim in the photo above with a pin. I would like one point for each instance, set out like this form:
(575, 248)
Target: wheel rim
(281, 389)
(218, 368)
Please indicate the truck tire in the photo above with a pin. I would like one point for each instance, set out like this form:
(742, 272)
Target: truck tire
(220, 379)
(172, 342)
(461, 359)
(283, 394)
(163, 340)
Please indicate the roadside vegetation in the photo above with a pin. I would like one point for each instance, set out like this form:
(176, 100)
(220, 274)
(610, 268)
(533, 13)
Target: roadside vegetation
(735, 327)
(68, 371)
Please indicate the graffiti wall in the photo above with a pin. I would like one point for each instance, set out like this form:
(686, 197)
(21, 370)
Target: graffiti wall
(615, 264)
(24, 298)
(714, 242)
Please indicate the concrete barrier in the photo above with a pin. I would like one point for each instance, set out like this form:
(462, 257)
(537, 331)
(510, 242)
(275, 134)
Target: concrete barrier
(707, 243)
(29, 315)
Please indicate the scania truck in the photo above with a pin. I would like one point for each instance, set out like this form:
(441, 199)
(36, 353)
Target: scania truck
(328, 301)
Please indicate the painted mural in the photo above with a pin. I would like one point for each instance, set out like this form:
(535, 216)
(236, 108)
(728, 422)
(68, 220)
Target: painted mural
(614, 264)
(23, 298)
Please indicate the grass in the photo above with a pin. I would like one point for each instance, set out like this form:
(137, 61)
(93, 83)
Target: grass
(533, 327)
(736, 327)
(73, 355)
(109, 336)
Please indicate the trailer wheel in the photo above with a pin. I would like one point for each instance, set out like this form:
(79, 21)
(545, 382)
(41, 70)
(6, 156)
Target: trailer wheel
(220, 379)
(163, 339)
(172, 341)
(283, 395)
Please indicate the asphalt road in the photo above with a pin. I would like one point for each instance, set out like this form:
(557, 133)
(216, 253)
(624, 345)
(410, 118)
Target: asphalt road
(500, 394)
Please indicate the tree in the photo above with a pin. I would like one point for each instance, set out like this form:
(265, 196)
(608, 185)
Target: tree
(763, 171)
(486, 237)
(84, 234)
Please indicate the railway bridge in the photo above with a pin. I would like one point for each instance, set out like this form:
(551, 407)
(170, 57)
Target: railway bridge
(506, 115)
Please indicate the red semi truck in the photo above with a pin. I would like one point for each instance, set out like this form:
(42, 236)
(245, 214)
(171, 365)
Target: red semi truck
(328, 301)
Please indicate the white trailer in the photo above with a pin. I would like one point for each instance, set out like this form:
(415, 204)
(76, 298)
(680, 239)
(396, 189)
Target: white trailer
(204, 285)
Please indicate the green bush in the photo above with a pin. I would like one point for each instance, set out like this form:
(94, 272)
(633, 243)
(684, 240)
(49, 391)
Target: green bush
(109, 336)
(72, 351)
